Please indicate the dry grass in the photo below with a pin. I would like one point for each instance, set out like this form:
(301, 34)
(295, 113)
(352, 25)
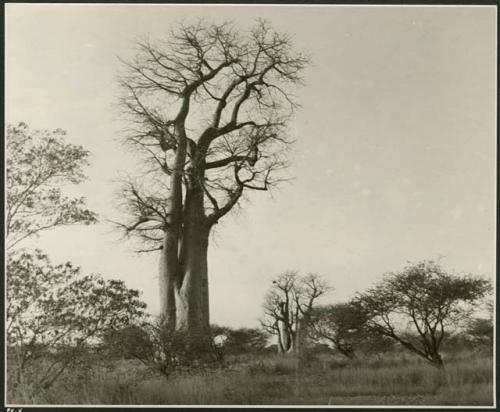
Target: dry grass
(275, 380)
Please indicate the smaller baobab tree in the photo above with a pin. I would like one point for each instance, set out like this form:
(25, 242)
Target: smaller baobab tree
(288, 307)
(417, 306)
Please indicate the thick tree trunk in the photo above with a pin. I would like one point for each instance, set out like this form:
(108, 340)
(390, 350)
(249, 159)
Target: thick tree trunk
(169, 260)
(193, 302)
(168, 274)
(184, 274)
(183, 262)
(185, 301)
(281, 349)
(301, 335)
(193, 306)
(301, 348)
(285, 338)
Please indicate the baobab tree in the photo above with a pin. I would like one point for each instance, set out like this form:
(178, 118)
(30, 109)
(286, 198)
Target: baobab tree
(288, 307)
(208, 108)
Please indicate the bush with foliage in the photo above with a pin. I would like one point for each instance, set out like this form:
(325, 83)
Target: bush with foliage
(237, 341)
(55, 315)
(340, 325)
(162, 349)
(39, 163)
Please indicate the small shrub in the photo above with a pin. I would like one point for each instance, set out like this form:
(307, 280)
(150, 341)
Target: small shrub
(166, 351)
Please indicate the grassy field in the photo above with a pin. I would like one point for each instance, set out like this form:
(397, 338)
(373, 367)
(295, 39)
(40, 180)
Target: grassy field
(276, 380)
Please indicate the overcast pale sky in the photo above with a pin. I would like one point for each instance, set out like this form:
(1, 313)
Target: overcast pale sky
(395, 148)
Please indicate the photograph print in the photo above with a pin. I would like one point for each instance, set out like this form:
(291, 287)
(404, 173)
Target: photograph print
(242, 205)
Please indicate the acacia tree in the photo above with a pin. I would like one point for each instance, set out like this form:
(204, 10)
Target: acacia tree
(288, 308)
(39, 163)
(342, 325)
(416, 306)
(209, 109)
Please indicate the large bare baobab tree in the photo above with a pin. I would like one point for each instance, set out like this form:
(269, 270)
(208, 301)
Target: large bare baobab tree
(208, 108)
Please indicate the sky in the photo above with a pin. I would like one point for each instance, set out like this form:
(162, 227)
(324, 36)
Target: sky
(394, 154)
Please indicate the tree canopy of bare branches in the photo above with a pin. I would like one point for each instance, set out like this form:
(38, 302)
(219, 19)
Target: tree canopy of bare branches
(288, 306)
